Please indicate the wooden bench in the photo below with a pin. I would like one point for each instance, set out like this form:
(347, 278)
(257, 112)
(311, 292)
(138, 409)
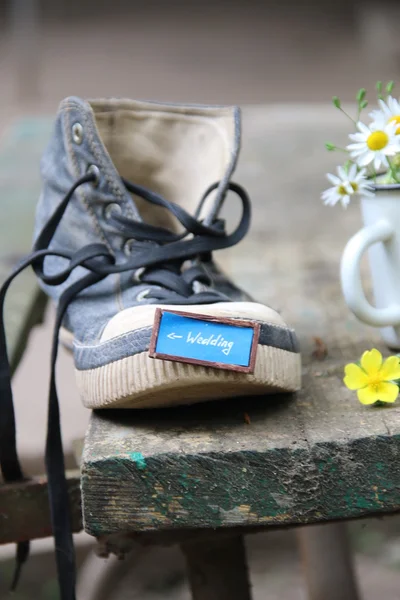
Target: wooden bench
(203, 476)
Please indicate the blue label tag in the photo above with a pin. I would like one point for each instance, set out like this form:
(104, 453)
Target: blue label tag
(219, 343)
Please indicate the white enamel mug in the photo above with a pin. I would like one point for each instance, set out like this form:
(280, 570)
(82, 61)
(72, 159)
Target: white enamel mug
(381, 238)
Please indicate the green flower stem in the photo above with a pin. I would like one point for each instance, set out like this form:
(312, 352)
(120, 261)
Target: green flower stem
(392, 171)
(378, 88)
(373, 174)
(347, 115)
(389, 88)
(363, 104)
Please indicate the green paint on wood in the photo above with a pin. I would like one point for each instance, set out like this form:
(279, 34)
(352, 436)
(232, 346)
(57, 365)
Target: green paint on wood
(138, 459)
(229, 474)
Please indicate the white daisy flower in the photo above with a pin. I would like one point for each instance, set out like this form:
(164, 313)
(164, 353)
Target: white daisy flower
(389, 113)
(345, 185)
(374, 144)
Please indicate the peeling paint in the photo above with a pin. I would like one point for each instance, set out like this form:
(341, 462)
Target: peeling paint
(139, 459)
(282, 500)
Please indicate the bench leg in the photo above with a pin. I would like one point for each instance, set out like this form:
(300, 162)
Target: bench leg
(327, 562)
(217, 569)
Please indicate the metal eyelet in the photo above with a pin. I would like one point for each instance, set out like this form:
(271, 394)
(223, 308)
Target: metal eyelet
(142, 295)
(138, 274)
(110, 208)
(94, 170)
(77, 133)
(127, 247)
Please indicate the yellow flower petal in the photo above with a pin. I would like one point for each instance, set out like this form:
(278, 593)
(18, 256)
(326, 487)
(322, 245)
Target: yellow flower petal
(390, 369)
(371, 361)
(385, 392)
(367, 395)
(355, 378)
(388, 392)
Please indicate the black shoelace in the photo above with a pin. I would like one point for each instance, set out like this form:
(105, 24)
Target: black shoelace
(159, 254)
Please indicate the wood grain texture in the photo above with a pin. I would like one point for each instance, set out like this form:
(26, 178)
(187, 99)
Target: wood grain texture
(24, 509)
(20, 152)
(269, 461)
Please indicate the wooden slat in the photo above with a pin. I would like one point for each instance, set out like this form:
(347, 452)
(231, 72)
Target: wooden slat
(266, 461)
(24, 509)
(205, 466)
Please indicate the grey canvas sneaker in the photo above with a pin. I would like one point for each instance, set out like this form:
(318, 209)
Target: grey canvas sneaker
(143, 157)
(126, 225)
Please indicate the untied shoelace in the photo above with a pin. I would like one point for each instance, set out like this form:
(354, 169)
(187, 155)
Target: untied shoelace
(159, 253)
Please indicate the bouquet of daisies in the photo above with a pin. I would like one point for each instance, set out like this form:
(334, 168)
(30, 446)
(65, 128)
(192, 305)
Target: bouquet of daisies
(374, 151)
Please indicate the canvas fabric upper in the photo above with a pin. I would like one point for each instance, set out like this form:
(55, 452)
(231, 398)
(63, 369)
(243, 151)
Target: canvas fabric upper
(177, 151)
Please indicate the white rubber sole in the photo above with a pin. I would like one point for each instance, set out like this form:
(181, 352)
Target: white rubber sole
(139, 381)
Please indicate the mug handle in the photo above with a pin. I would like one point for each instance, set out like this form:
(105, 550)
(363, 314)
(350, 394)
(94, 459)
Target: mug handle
(381, 231)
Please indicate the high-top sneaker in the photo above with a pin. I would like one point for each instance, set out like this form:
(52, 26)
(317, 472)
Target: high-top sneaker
(153, 178)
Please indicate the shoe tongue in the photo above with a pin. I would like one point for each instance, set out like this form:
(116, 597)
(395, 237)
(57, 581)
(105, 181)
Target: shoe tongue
(175, 150)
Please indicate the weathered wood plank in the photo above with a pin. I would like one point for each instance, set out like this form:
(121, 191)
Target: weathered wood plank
(21, 148)
(318, 457)
(205, 467)
(24, 509)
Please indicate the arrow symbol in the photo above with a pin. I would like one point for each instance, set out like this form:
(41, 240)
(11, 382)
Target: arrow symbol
(173, 336)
